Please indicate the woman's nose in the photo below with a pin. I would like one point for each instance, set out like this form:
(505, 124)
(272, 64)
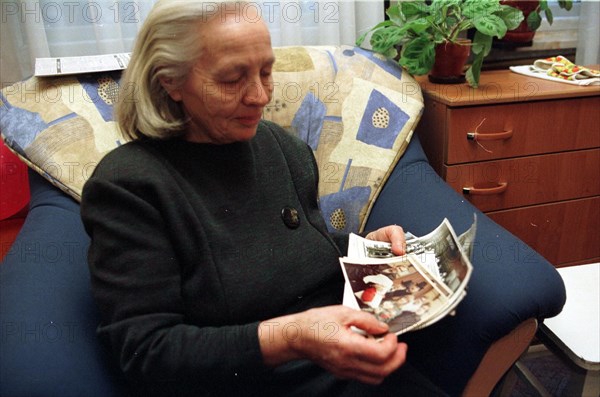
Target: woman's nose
(258, 92)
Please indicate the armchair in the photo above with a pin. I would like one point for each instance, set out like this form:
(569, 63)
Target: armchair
(373, 173)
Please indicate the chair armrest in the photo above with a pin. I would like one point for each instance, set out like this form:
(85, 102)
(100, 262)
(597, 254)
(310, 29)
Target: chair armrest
(499, 359)
(510, 283)
(48, 344)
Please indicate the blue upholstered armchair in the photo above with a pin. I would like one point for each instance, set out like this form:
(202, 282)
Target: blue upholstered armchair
(352, 108)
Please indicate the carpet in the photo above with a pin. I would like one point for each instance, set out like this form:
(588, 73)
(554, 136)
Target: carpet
(558, 378)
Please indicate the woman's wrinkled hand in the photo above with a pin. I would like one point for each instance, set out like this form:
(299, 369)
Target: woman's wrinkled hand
(326, 336)
(393, 234)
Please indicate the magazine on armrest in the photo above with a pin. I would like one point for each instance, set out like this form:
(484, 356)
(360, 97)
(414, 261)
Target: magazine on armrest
(414, 290)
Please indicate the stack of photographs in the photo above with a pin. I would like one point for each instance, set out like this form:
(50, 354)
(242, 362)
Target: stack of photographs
(414, 290)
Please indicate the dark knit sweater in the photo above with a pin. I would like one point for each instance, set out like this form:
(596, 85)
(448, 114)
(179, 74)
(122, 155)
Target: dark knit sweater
(189, 252)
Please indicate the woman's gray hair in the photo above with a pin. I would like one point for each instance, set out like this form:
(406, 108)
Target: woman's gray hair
(166, 49)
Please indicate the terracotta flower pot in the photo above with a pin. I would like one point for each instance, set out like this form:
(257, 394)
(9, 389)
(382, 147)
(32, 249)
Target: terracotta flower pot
(450, 60)
(521, 36)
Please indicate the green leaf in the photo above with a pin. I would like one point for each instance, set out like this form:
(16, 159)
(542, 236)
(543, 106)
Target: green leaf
(436, 6)
(511, 16)
(481, 43)
(384, 39)
(394, 14)
(361, 39)
(534, 20)
(392, 53)
(418, 56)
(382, 24)
(565, 4)
(477, 48)
(477, 8)
(484, 44)
(491, 25)
(413, 8)
(418, 26)
(473, 72)
(549, 16)
(375, 28)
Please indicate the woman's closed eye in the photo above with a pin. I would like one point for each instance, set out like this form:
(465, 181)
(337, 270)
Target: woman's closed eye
(232, 80)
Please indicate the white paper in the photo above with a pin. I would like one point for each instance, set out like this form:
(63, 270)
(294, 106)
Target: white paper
(85, 64)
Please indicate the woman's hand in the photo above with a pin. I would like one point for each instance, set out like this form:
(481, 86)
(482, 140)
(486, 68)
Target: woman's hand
(392, 234)
(324, 335)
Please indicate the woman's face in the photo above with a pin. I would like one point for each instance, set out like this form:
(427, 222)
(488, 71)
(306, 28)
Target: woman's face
(228, 87)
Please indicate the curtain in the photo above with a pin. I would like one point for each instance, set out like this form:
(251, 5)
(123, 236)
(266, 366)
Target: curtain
(320, 22)
(45, 28)
(588, 42)
(31, 29)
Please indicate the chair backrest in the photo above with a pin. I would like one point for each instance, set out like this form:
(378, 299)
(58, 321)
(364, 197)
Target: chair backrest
(356, 110)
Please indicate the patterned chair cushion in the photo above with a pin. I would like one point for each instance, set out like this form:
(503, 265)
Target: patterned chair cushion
(357, 112)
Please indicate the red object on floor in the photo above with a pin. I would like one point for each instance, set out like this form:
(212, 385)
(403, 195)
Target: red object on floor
(14, 197)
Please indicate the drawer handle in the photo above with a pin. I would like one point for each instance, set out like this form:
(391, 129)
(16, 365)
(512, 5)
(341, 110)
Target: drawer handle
(485, 191)
(492, 136)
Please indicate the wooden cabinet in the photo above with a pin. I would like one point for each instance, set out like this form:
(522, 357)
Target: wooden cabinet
(525, 151)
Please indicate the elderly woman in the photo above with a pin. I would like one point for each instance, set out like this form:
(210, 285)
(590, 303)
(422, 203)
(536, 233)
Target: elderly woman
(213, 273)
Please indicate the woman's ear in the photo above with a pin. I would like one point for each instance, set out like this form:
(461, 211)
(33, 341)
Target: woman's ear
(173, 91)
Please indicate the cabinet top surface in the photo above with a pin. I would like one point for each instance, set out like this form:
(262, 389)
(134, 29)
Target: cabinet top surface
(502, 86)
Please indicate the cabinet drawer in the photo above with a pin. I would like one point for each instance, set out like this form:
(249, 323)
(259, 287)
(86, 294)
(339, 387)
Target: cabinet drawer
(525, 128)
(502, 184)
(564, 233)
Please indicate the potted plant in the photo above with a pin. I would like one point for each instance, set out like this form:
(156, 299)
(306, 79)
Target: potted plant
(532, 11)
(418, 33)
